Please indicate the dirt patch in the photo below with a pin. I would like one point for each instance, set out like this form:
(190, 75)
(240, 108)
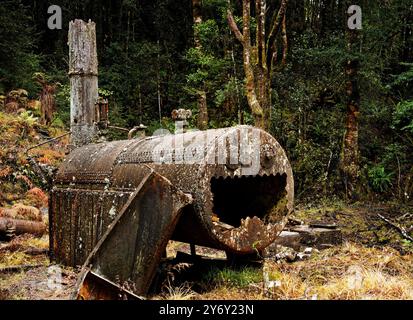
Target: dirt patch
(39, 283)
(26, 273)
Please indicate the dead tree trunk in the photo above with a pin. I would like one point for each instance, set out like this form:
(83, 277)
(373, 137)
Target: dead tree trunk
(83, 73)
(202, 120)
(260, 58)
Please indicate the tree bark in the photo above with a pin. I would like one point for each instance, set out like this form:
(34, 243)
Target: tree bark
(258, 68)
(47, 100)
(253, 102)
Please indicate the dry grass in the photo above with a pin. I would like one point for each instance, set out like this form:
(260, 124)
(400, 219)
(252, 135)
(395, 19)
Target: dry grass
(33, 282)
(7, 282)
(349, 272)
(40, 243)
(37, 198)
(14, 259)
(182, 292)
(16, 255)
(360, 222)
(367, 284)
(226, 293)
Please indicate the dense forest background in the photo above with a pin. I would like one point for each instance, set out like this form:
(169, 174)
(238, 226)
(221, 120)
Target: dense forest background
(159, 55)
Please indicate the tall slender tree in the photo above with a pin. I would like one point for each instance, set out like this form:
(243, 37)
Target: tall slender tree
(202, 121)
(259, 59)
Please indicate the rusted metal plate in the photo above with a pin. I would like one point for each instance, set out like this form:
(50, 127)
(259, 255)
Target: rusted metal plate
(129, 252)
(98, 288)
(79, 219)
(253, 234)
(91, 164)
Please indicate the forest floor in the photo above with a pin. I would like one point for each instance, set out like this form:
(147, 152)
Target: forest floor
(374, 262)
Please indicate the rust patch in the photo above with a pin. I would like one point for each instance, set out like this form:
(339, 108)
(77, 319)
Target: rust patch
(253, 235)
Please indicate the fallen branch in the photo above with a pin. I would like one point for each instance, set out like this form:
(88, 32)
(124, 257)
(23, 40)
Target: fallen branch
(19, 268)
(397, 227)
(35, 251)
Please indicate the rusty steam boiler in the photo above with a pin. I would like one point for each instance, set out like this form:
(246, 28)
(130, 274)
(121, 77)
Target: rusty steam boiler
(115, 205)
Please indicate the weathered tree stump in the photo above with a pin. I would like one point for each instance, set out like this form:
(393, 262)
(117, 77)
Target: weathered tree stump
(83, 73)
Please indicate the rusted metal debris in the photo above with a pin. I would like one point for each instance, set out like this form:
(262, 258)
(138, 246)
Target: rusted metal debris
(130, 249)
(239, 203)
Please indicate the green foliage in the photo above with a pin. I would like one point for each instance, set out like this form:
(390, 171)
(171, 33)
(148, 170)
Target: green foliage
(63, 103)
(17, 41)
(407, 244)
(131, 84)
(148, 60)
(28, 118)
(105, 93)
(406, 77)
(209, 35)
(234, 278)
(167, 125)
(379, 179)
(230, 90)
(211, 72)
(403, 116)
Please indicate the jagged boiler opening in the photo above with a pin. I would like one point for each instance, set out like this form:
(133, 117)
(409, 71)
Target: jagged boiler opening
(246, 196)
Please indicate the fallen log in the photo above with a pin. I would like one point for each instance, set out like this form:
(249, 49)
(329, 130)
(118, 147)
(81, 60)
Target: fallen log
(10, 227)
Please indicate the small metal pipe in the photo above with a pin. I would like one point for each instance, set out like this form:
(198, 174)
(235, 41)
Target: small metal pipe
(33, 162)
(131, 132)
(118, 128)
(141, 128)
(47, 141)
